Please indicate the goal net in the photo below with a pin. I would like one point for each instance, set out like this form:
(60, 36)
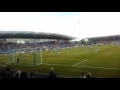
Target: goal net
(26, 56)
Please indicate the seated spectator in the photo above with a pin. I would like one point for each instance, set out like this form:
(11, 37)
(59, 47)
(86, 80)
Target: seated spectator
(89, 75)
(17, 74)
(52, 74)
(31, 75)
(23, 74)
(6, 73)
(3, 74)
(82, 75)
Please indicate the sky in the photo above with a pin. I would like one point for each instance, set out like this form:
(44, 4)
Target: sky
(92, 24)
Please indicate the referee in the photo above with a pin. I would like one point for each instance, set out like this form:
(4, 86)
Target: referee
(17, 61)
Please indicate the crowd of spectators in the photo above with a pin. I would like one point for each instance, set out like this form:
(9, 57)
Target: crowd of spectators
(7, 73)
(31, 46)
(105, 41)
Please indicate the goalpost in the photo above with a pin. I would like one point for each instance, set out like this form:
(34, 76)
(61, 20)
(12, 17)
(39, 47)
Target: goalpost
(11, 57)
(26, 56)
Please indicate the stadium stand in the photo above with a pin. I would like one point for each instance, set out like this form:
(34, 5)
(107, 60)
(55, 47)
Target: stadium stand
(7, 48)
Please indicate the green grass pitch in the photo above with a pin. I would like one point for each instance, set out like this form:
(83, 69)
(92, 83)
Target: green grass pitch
(73, 61)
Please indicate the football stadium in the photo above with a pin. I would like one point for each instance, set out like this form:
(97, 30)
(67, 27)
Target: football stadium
(39, 52)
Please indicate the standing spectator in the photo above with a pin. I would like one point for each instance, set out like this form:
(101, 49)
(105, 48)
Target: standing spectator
(52, 74)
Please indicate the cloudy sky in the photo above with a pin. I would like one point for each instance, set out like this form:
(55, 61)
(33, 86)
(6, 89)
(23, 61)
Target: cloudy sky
(92, 24)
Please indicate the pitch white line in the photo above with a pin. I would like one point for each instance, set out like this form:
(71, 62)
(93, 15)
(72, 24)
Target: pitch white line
(56, 64)
(80, 62)
(83, 66)
(98, 67)
(65, 58)
(54, 58)
(109, 52)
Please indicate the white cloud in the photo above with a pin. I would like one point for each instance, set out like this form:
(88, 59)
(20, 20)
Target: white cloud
(99, 24)
(91, 23)
(54, 13)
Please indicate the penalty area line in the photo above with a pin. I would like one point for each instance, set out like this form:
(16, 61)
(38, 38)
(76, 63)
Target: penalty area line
(56, 64)
(80, 62)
